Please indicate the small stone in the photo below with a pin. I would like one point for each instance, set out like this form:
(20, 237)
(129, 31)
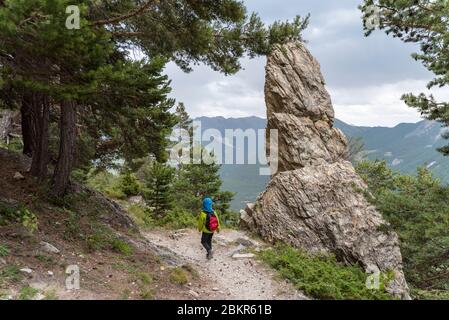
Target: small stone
(162, 268)
(194, 294)
(243, 256)
(236, 250)
(215, 289)
(39, 296)
(247, 242)
(26, 270)
(18, 176)
(47, 247)
(50, 273)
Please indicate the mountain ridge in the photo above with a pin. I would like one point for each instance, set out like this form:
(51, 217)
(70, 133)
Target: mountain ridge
(404, 147)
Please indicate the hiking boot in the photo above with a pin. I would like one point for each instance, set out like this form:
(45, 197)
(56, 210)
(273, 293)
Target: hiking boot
(209, 255)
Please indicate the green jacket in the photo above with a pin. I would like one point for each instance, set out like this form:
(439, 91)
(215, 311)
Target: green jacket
(202, 222)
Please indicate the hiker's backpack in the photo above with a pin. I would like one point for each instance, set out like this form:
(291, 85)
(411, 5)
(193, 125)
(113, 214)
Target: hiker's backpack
(211, 222)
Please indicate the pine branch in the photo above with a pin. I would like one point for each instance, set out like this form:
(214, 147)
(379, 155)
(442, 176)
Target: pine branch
(136, 12)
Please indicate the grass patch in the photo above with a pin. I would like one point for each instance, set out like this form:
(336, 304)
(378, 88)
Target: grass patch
(4, 251)
(126, 294)
(190, 269)
(178, 276)
(73, 225)
(10, 273)
(147, 294)
(141, 216)
(51, 295)
(103, 238)
(178, 219)
(144, 277)
(99, 238)
(321, 276)
(27, 293)
(122, 247)
(47, 261)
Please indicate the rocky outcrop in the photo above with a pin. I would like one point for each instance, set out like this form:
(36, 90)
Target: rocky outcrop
(315, 200)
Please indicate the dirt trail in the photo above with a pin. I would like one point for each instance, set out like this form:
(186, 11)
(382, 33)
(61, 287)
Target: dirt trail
(239, 279)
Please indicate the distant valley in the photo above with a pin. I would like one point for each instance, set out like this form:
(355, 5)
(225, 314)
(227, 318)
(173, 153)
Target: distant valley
(404, 147)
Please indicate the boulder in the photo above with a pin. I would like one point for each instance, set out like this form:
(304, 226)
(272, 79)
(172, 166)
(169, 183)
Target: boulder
(315, 200)
(49, 248)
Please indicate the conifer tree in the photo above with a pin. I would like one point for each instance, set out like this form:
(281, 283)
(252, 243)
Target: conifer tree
(85, 80)
(158, 188)
(426, 23)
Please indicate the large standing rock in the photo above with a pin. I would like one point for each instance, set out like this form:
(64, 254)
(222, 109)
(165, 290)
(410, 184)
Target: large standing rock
(315, 200)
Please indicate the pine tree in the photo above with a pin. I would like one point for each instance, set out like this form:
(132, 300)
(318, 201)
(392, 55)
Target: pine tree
(197, 181)
(84, 80)
(425, 23)
(158, 189)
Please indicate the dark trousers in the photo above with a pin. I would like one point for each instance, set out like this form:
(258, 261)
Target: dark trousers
(206, 241)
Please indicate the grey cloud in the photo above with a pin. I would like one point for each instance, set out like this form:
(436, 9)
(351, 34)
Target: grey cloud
(350, 63)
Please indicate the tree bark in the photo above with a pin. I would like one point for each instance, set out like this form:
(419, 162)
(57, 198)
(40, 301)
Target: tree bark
(67, 143)
(41, 120)
(27, 125)
(35, 112)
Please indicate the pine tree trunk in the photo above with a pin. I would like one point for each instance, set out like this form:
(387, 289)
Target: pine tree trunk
(41, 119)
(27, 125)
(67, 143)
(35, 112)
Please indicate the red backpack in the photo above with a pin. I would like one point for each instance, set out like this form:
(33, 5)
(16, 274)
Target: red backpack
(211, 222)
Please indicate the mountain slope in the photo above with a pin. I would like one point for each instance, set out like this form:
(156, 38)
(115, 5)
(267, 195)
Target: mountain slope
(404, 147)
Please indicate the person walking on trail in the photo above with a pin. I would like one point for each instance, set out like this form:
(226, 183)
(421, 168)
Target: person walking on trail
(208, 223)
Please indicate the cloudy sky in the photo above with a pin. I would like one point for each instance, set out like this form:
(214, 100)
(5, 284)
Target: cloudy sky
(365, 76)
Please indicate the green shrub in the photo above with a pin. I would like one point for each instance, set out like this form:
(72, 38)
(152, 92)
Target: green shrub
(142, 217)
(129, 185)
(430, 294)
(21, 215)
(106, 183)
(15, 145)
(321, 276)
(178, 219)
(122, 247)
(178, 276)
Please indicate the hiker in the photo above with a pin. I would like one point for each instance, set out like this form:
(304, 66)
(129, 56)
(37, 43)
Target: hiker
(208, 223)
